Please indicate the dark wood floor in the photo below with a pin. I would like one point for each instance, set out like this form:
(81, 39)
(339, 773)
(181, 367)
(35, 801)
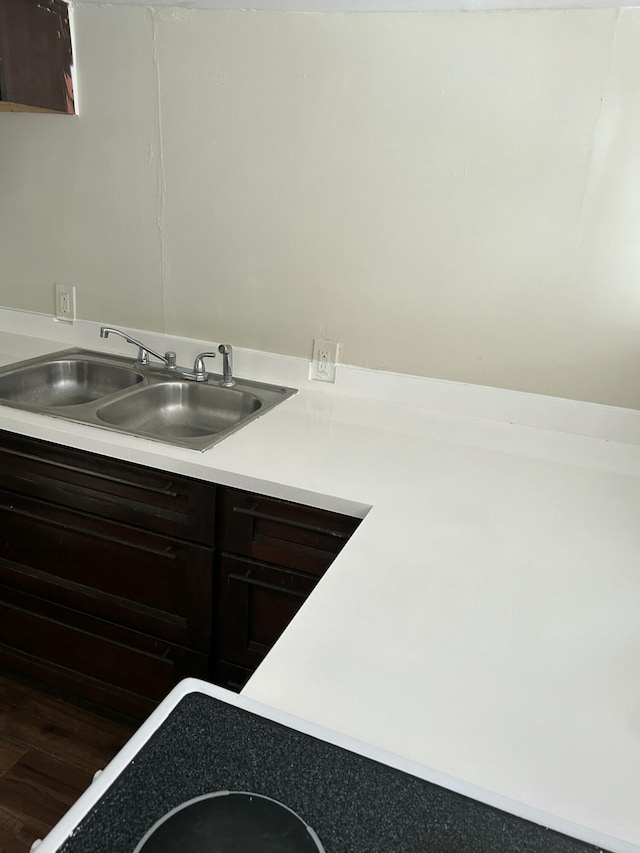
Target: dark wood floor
(49, 751)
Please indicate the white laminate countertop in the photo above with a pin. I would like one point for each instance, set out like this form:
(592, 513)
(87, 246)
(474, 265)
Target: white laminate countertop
(484, 620)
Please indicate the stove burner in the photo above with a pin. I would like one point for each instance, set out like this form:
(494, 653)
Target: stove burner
(230, 822)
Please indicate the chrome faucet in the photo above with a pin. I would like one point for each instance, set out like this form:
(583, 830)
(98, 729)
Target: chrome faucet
(226, 352)
(168, 359)
(198, 374)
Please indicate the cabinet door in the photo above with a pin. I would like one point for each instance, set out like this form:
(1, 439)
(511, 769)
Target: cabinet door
(256, 603)
(35, 55)
(132, 577)
(138, 496)
(283, 533)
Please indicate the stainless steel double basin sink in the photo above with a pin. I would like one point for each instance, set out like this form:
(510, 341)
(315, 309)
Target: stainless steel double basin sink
(153, 402)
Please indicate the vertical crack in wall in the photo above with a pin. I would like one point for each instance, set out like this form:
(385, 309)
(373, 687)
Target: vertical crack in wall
(593, 143)
(162, 184)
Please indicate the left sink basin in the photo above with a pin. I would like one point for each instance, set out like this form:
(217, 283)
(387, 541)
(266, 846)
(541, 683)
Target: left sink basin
(64, 381)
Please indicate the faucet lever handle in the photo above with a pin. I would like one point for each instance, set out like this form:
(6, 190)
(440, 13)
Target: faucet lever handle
(200, 374)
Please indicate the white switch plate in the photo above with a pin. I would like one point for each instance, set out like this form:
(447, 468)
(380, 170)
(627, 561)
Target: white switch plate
(323, 361)
(65, 302)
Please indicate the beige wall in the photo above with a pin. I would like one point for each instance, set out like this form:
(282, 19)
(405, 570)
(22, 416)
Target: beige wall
(453, 195)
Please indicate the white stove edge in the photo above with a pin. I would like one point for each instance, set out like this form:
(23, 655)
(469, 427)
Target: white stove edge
(69, 822)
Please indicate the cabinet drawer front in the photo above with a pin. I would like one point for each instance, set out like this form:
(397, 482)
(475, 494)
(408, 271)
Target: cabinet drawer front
(83, 655)
(140, 579)
(256, 603)
(143, 497)
(283, 533)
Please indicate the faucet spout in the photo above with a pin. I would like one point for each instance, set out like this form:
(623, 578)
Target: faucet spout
(168, 359)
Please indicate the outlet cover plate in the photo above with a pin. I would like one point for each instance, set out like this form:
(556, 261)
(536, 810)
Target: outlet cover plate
(323, 361)
(65, 302)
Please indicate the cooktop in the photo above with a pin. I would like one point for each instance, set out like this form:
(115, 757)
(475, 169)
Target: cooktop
(209, 761)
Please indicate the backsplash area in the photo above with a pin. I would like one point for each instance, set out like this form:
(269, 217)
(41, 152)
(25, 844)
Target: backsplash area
(25, 334)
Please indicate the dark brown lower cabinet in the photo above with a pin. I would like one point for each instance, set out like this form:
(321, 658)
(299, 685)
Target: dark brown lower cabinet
(137, 578)
(93, 658)
(117, 580)
(272, 554)
(257, 602)
(95, 597)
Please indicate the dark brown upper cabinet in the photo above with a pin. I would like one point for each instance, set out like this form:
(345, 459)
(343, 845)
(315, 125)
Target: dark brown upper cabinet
(35, 57)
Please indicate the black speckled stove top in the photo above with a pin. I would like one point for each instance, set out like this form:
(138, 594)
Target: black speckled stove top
(355, 805)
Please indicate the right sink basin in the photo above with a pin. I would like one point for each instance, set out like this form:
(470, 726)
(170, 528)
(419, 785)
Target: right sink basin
(180, 409)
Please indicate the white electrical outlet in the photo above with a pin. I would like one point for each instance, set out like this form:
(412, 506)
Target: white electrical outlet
(65, 302)
(323, 361)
